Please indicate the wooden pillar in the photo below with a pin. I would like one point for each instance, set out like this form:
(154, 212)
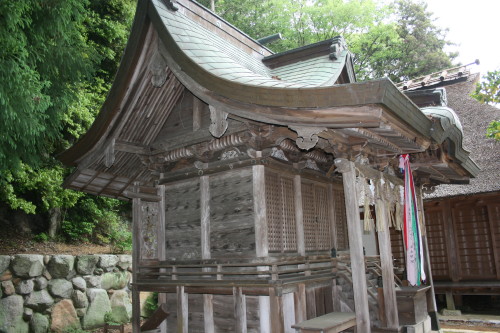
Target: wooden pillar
(208, 309)
(276, 304)
(299, 215)
(161, 245)
(136, 305)
(431, 296)
(384, 242)
(240, 310)
(260, 213)
(288, 312)
(182, 310)
(355, 244)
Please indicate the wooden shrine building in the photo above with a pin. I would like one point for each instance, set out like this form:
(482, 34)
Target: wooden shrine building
(242, 167)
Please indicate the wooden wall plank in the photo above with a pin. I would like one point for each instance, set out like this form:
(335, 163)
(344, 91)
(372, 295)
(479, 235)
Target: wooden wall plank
(182, 214)
(300, 303)
(182, 310)
(276, 303)
(288, 312)
(264, 314)
(232, 227)
(208, 314)
(205, 216)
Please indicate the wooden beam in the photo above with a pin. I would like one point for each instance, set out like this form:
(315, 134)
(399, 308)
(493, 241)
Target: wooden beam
(260, 212)
(240, 310)
(384, 242)
(355, 244)
(299, 215)
(156, 318)
(300, 303)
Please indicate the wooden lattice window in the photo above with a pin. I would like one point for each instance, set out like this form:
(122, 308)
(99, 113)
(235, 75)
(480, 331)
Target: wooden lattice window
(317, 219)
(340, 219)
(280, 204)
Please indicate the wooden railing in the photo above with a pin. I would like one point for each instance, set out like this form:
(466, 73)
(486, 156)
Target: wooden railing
(244, 272)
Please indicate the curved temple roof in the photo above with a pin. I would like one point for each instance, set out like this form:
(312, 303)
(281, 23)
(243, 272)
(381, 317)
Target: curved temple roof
(181, 49)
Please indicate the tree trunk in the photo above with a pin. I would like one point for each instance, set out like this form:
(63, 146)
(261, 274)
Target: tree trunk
(54, 221)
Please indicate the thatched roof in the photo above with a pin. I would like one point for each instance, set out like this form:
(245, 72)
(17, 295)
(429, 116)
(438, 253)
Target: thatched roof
(475, 118)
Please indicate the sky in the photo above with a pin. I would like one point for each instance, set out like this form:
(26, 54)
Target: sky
(474, 25)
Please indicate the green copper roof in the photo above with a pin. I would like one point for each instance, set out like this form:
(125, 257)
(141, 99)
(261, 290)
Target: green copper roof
(224, 59)
(448, 116)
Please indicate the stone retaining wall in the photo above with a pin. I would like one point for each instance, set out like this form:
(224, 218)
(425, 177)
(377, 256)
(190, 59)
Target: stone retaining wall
(56, 293)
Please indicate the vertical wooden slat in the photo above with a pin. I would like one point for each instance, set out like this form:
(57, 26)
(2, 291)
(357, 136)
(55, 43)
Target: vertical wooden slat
(431, 297)
(332, 209)
(355, 244)
(161, 245)
(451, 241)
(494, 240)
(276, 304)
(240, 310)
(205, 216)
(384, 243)
(300, 303)
(264, 314)
(310, 304)
(182, 310)
(259, 200)
(208, 313)
(136, 307)
(288, 312)
(299, 215)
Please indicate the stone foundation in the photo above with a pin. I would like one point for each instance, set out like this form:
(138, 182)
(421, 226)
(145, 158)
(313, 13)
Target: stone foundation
(56, 293)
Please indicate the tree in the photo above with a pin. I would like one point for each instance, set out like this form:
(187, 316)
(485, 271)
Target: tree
(64, 54)
(488, 92)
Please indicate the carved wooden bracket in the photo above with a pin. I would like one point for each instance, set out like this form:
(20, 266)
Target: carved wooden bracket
(170, 5)
(343, 165)
(307, 136)
(219, 122)
(336, 48)
(158, 67)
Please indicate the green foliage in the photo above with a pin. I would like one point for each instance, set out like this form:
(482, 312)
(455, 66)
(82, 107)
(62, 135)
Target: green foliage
(44, 55)
(41, 238)
(488, 90)
(493, 130)
(151, 304)
(59, 57)
(97, 219)
(108, 319)
(398, 40)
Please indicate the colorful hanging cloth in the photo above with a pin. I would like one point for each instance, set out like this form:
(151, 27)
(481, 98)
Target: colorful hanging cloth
(411, 227)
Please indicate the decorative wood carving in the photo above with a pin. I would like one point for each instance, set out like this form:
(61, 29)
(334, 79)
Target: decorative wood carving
(307, 136)
(219, 122)
(337, 48)
(158, 69)
(148, 230)
(170, 5)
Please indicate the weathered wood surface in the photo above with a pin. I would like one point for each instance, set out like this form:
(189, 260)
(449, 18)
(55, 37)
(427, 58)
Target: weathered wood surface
(260, 216)
(156, 318)
(329, 323)
(240, 310)
(299, 215)
(232, 214)
(355, 243)
(183, 230)
(384, 243)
